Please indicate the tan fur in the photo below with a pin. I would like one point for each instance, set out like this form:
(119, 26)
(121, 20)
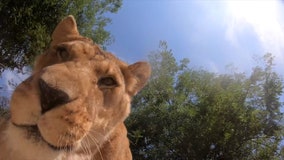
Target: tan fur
(88, 124)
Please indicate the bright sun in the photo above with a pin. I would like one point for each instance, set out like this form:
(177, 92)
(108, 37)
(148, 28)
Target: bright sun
(265, 17)
(255, 12)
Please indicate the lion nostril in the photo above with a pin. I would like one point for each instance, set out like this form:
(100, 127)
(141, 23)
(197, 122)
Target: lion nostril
(51, 97)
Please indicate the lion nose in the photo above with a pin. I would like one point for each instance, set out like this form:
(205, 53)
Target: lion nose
(51, 97)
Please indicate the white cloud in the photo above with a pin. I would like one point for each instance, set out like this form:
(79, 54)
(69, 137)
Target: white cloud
(266, 20)
(213, 67)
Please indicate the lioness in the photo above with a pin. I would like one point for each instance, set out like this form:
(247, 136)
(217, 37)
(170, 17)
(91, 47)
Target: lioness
(74, 104)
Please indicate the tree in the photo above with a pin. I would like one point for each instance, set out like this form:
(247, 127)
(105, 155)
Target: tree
(188, 113)
(26, 26)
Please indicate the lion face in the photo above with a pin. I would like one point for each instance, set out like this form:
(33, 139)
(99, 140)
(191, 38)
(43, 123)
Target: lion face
(77, 92)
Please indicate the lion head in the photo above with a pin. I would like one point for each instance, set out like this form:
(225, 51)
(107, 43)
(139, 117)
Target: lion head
(76, 99)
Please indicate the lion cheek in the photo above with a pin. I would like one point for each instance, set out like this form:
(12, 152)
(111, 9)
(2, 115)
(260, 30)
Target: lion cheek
(25, 106)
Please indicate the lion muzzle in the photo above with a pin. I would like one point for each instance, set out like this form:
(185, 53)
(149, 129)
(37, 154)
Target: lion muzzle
(51, 97)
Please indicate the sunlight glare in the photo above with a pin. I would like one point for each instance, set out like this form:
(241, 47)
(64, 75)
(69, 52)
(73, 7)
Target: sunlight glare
(255, 12)
(264, 17)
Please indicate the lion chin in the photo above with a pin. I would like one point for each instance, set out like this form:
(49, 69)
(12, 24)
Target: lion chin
(74, 104)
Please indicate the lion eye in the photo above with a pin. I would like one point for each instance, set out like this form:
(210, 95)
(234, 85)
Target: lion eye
(62, 53)
(107, 82)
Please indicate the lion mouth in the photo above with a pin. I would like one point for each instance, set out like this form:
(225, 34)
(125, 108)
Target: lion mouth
(33, 133)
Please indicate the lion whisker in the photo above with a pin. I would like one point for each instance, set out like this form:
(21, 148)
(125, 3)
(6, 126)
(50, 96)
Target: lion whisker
(92, 138)
(86, 148)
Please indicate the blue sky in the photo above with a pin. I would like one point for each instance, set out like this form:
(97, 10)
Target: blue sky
(212, 34)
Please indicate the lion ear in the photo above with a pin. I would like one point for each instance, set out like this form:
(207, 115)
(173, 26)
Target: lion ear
(141, 72)
(66, 30)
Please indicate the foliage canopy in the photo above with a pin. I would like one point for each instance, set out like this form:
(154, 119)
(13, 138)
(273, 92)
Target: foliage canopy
(26, 26)
(186, 113)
